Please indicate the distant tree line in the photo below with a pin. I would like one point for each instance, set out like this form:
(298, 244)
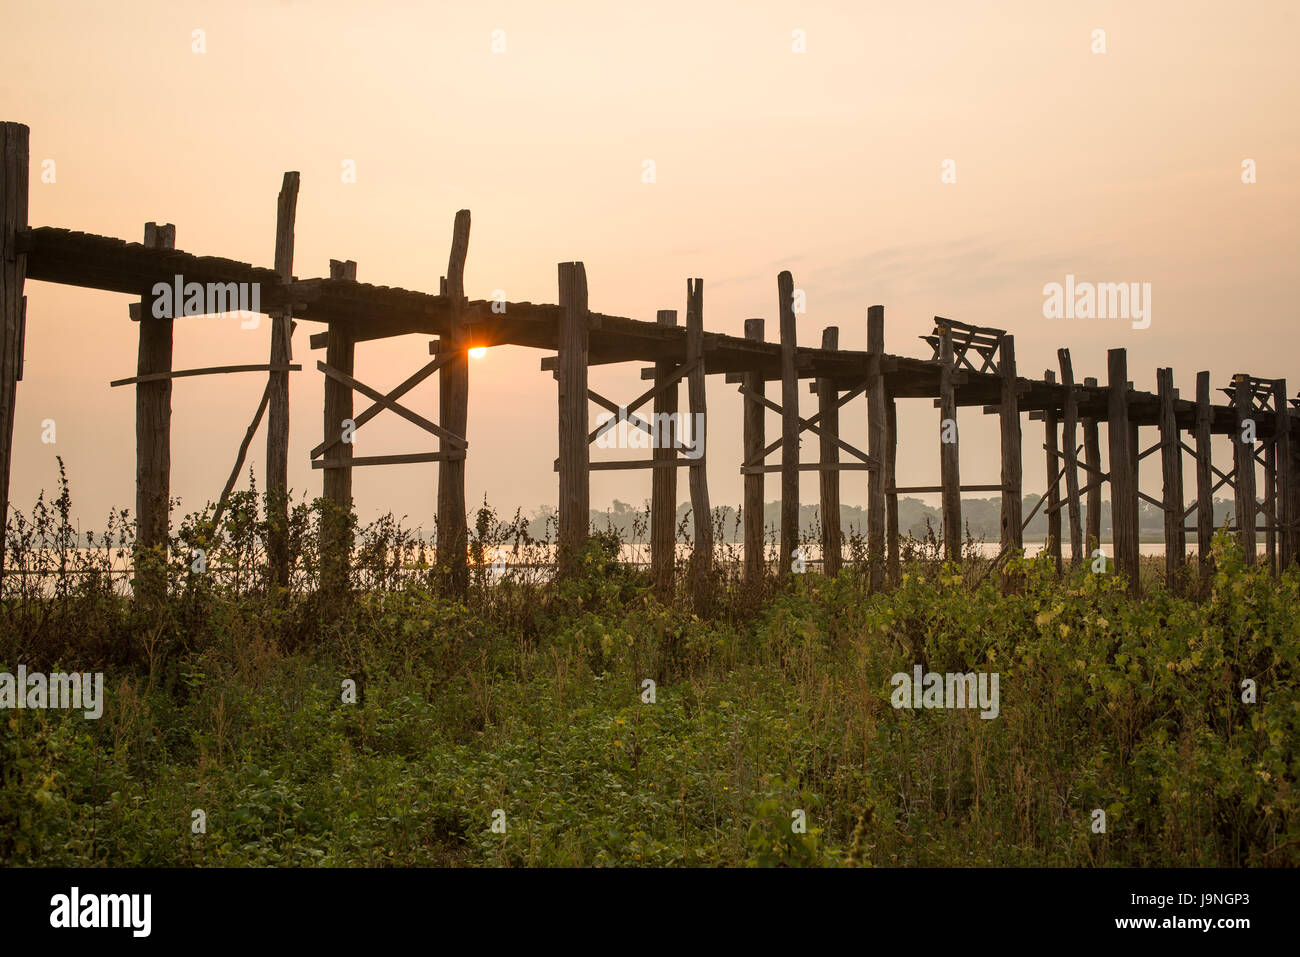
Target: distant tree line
(981, 516)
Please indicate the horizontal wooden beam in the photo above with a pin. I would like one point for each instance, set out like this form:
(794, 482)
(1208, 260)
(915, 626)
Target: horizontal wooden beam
(917, 489)
(809, 467)
(374, 312)
(623, 464)
(210, 370)
(401, 459)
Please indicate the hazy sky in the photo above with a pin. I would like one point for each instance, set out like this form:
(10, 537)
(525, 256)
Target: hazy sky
(1122, 166)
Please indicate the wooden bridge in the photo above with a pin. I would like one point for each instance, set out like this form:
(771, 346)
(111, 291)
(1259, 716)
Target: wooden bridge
(967, 366)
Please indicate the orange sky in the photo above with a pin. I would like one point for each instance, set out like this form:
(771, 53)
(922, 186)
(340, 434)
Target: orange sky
(1115, 167)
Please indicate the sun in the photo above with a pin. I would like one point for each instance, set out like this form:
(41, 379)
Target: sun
(478, 352)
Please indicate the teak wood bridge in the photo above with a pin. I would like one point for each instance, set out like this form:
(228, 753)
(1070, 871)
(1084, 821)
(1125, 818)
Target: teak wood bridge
(968, 366)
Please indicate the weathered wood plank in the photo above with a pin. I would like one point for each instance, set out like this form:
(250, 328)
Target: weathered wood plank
(623, 465)
(1204, 465)
(14, 161)
(702, 513)
(829, 482)
(1171, 466)
(789, 424)
(153, 417)
(930, 489)
(1009, 424)
(1283, 477)
(1069, 436)
(1269, 507)
(663, 483)
(571, 375)
(1050, 426)
(807, 467)
(949, 455)
(336, 484)
(331, 466)
(453, 411)
(1291, 489)
(890, 470)
(754, 416)
(277, 428)
(207, 370)
(1123, 469)
(1092, 463)
(239, 458)
(1244, 454)
(876, 434)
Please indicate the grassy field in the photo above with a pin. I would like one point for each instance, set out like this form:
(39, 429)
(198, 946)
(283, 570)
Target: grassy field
(526, 706)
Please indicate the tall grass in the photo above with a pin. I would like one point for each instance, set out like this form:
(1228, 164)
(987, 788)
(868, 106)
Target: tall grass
(529, 696)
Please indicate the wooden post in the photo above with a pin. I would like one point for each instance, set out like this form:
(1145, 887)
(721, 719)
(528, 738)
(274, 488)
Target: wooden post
(1204, 480)
(1053, 481)
(950, 476)
(575, 458)
(1245, 456)
(876, 427)
(1283, 478)
(1290, 487)
(13, 270)
(663, 480)
(702, 556)
(1009, 421)
(789, 425)
(1270, 506)
(1171, 461)
(277, 423)
(336, 483)
(1092, 457)
(830, 460)
(891, 496)
(153, 415)
(1069, 435)
(754, 416)
(453, 411)
(1123, 470)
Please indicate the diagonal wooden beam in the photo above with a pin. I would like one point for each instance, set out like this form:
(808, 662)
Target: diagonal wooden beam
(239, 459)
(634, 420)
(375, 396)
(1030, 517)
(406, 386)
(672, 380)
(1151, 499)
(1224, 481)
(805, 425)
(1056, 481)
(1083, 491)
(1155, 448)
(1087, 468)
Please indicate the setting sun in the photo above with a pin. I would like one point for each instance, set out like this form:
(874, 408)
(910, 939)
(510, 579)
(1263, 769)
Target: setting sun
(478, 352)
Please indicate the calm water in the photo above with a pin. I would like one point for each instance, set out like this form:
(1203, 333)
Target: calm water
(538, 562)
